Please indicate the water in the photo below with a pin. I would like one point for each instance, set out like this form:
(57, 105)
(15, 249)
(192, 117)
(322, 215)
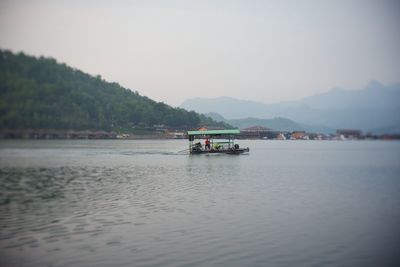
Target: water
(139, 203)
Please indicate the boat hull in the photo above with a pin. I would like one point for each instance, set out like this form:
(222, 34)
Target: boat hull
(222, 151)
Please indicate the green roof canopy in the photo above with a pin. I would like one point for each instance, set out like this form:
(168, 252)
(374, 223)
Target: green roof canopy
(215, 132)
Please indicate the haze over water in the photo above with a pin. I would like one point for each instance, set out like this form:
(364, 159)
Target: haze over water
(139, 203)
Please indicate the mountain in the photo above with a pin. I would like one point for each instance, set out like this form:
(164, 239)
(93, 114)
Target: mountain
(374, 96)
(279, 124)
(374, 107)
(227, 107)
(37, 93)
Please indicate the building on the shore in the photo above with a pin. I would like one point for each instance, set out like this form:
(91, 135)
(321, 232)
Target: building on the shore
(177, 135)
(281, 136)
(315, 136)
(298, 135)
(123, 136)
(258, 132)
(349, 133)
(391, 137)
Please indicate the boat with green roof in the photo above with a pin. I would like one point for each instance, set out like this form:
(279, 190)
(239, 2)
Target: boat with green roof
(216, 141)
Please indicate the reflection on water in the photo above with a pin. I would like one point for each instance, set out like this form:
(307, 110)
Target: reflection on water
(139, 203)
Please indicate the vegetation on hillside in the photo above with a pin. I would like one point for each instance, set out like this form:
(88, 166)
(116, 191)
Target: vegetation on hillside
(40, 93)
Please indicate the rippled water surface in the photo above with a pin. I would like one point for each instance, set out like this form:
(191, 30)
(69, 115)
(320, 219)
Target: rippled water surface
(140, 203)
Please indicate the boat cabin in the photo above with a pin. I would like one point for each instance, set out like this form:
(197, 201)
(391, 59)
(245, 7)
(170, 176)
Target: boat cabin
(214, 141)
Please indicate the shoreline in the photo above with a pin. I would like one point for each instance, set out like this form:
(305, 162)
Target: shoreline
(62, 134)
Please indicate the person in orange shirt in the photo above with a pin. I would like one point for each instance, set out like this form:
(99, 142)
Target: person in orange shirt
(207, 143)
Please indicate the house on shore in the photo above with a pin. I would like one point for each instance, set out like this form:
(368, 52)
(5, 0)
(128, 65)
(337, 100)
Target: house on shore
(349, 133)
(258, 132)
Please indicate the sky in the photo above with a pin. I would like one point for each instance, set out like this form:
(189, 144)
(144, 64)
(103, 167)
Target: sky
(267, 51)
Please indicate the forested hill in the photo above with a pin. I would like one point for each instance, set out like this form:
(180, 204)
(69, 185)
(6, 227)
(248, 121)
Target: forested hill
(37, 93)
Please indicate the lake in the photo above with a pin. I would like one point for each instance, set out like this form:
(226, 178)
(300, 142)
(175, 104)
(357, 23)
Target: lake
(140, 203)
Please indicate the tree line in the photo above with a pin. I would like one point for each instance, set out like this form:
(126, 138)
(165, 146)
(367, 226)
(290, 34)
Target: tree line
(40, 93)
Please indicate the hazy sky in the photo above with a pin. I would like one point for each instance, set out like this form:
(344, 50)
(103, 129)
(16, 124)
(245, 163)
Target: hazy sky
(266, 51)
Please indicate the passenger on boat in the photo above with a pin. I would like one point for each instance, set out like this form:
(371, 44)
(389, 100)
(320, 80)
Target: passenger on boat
(196, 147)
(217, 146)
(207, 144)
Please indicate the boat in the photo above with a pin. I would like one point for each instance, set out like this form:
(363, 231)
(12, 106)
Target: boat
(216, 141)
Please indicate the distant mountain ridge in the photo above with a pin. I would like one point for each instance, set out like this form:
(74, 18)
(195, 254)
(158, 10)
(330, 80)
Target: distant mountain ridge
(375, 95)
(279, 124)
(375, 107)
